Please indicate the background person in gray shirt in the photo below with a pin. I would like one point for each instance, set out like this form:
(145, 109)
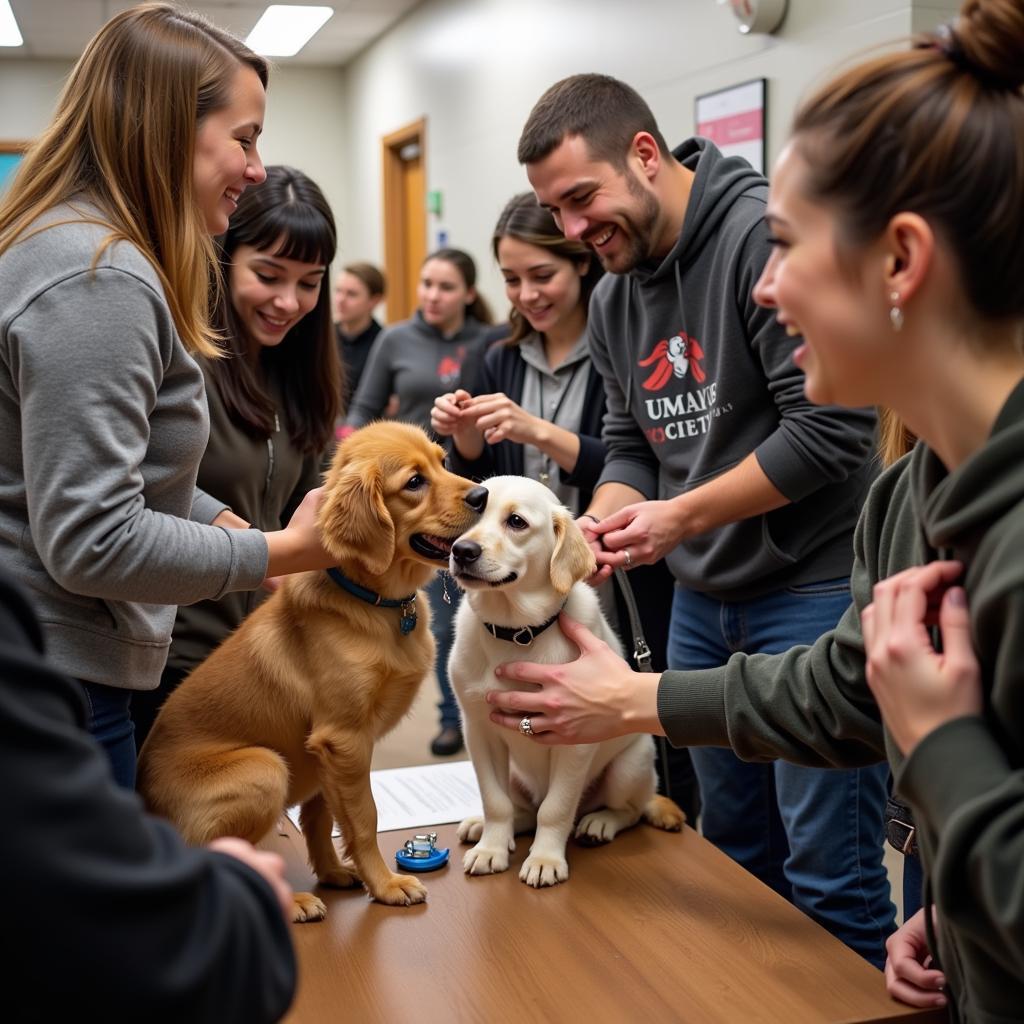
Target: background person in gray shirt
(105, 298)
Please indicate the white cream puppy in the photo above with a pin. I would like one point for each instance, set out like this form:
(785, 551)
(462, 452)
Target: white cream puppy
(520, 565)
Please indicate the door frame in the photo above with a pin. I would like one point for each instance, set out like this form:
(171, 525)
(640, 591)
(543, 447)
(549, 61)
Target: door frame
(397, 233)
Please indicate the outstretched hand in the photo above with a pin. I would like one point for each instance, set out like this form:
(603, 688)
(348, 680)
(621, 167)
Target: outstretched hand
(917, 688)
(596, 697)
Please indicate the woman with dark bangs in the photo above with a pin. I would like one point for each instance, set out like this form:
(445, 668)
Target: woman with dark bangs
(272, 400)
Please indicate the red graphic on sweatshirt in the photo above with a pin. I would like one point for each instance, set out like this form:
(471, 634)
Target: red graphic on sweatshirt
(450, 367)
(675, 357)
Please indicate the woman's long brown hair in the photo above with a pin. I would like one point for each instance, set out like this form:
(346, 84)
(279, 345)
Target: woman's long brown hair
(123, 139)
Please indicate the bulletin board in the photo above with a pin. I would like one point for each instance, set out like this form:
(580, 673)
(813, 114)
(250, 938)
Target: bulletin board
(734, 119)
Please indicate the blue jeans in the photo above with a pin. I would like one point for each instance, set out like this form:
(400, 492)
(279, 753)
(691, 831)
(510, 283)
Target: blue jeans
(110, 723)
(442, 626)
(814, 835)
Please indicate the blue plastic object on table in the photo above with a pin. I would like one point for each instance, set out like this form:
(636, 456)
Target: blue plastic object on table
(421, 854)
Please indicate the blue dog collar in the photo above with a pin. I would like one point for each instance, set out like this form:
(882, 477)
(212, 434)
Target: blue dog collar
(406, 624)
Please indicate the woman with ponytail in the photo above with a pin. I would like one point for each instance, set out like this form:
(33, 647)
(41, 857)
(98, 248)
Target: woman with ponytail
(896, 209)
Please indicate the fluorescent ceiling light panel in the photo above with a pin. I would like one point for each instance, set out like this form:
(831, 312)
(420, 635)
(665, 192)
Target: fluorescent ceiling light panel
(284, 30)
(9, 33)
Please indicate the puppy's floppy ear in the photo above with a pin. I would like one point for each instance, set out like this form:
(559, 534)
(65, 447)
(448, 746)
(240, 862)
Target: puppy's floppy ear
(572, 560)
(354, 521)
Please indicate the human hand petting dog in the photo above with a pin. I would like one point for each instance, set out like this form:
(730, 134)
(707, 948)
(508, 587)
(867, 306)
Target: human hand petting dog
(908, 976)
(917, 688)
(596, 697)
(298, 547)
(638, 534)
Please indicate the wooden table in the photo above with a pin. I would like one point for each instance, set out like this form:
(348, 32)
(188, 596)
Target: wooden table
(653, 927)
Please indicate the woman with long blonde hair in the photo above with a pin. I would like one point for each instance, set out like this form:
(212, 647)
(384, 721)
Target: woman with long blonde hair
(106, 259)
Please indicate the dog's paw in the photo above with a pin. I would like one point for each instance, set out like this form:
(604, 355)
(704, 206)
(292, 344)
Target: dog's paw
(486, 860)
(307, 907)
(661, 812)
(596, 828)
(338, 878)
(539, 870)
(401, 891)
(471, 829)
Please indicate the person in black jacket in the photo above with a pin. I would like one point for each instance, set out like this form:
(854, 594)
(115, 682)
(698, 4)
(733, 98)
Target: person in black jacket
(358, 291)
(538, 407)
(112, 916)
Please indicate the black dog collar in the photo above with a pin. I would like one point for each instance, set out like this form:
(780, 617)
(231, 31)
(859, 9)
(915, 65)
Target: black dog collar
(406, 624)
(521, 636)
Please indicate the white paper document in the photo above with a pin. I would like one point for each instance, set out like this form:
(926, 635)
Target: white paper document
(427, 794)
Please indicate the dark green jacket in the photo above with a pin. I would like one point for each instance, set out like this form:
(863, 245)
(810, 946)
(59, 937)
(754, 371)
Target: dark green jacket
(261, 479)
(965, 781)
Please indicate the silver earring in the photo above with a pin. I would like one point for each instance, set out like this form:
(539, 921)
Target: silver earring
(895, 313)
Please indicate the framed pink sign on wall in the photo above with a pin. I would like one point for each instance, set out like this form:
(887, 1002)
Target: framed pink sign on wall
(734, 120)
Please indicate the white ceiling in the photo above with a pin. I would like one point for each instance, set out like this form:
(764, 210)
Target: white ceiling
(61, 28)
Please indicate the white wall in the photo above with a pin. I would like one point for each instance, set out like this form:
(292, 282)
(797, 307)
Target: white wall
(28, 94)
(474, 69)
(305, 122)
(305, 127)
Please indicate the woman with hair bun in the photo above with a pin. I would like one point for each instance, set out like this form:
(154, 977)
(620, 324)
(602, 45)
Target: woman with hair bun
(896, 208)
(272, 400)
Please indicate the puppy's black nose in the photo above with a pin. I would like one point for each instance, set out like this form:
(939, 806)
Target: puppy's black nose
(466, 552)
(476, 499)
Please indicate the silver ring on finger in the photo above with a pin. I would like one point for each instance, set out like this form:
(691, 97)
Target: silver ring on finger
(526, 726)
(629, 558)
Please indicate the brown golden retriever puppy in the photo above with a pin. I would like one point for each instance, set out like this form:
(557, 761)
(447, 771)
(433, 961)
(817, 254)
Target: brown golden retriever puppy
(288, 708)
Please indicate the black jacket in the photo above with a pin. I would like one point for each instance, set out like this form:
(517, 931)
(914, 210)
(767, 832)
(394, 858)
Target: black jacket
(503, 369)
(111, 916)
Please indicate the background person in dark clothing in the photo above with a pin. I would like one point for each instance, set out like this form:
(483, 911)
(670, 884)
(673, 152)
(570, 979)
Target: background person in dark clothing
(116, 919)
(358, 291)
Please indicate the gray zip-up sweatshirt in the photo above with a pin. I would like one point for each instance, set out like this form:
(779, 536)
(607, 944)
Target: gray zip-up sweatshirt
(417, 363)
(698, 376)
(103, 422)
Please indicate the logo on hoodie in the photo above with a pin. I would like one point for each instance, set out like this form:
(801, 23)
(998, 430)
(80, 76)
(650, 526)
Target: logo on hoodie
(450, 367)
(682, 404)
(676, 357)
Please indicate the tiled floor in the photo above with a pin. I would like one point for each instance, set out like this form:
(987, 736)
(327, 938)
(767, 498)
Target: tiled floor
(409, 744)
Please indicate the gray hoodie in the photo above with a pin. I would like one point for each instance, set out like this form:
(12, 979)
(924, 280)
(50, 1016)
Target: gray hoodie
(103, 422)
(699, 376)
(417, 363)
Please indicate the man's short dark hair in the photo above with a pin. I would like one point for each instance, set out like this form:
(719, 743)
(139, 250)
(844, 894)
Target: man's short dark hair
(603, 111)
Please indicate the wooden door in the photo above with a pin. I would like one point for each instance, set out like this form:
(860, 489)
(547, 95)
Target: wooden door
(405, 216)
